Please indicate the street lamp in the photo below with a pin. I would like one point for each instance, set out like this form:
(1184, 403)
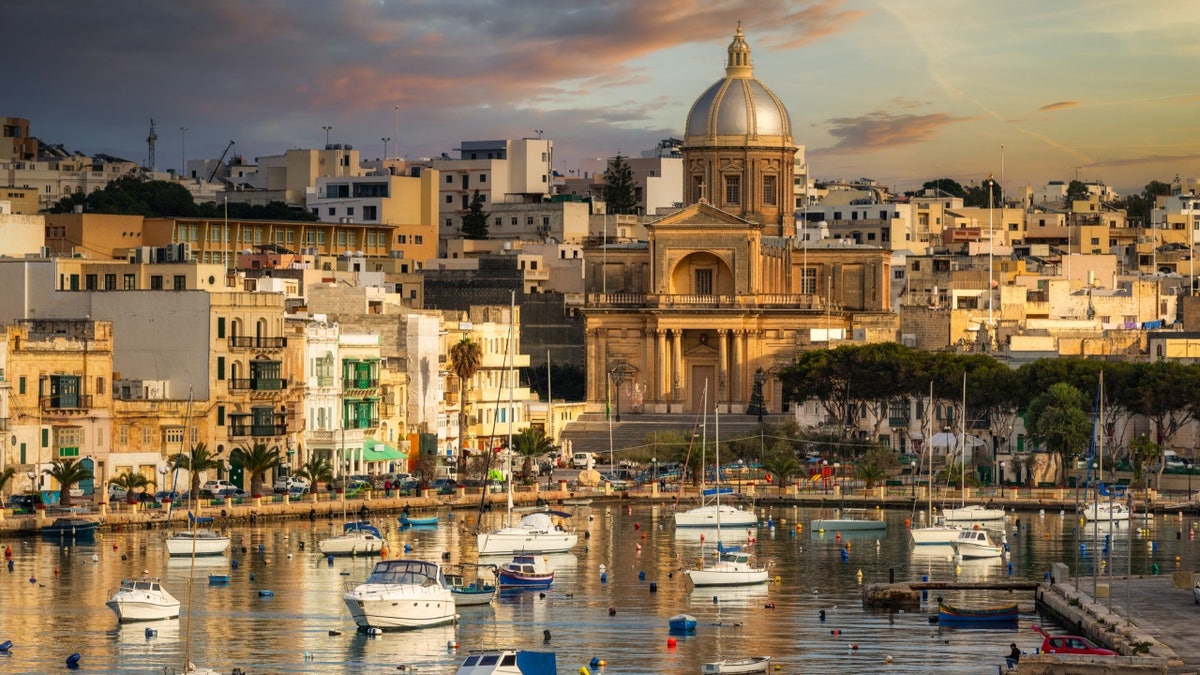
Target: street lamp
(386, 140)
(182, 152)
(825, 476)
(914, 479)
(618, 376)
(741, 466)
(761, 401)
(326, 128)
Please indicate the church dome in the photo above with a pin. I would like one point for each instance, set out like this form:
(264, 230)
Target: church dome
(738, 104)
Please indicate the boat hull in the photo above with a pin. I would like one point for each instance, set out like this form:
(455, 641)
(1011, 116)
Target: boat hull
(181, 545)
(351, 544)
(133, 610)
(934, 536)
(951, 615)
(510, 540)
(755, 664)
(1106, 512)
(972, 514)
(516, 581)
(682, 623)
(712, 515)
(400, 608)
(425, 521)
(473, 597)
(847, 525)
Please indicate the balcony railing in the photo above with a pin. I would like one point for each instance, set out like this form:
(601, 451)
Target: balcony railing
(361, 383)
(810, 301)
(255, 342)
(79, 402)
(257, 384)
(361, 423)
(257, 430)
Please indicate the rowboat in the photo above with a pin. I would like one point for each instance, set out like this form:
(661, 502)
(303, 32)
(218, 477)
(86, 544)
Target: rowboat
(948, 614)
(682, 623)
(406, 519)
(753, 664)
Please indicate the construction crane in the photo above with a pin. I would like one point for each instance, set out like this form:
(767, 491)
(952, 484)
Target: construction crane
(218, 164)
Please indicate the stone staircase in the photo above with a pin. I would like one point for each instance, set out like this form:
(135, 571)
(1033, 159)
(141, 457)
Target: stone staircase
(589, 432)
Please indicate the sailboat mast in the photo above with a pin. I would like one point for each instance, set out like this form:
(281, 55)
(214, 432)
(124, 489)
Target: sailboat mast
(962, 432)
(717, 450)
(512, 332)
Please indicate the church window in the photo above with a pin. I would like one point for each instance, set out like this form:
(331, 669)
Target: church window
(733, 189)
(704, 282)
(808, 280)
(769, 190)
(697, 188)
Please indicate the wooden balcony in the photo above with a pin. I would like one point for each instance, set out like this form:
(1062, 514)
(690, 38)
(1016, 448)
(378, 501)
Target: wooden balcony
(806, 301)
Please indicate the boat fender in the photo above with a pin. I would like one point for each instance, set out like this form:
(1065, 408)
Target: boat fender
(835, 632)
(821, 615)
(854, 647)
(10, 565)
(334, 633)
(715, 600)
(374, 631)
(56, 570)
(597, 662)
(329, 560)
(654, 586)
(546, 635)
(33, 580)
(252, 576)
(150, 633)
(223, 514)
(584, 671)
(266, 594)
(408, 548)
(637, 526)
(234, 564)
(383, 552)
(261, 549)
(641, 575)
(604, 577)
(888, 659)
(638, 548)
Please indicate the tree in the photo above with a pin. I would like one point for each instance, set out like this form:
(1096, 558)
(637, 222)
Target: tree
(475, 222)
(316, 470)
(256, 460)
(875, 466)
(1077, 191)
(947, 185)
(195, 462)
(530, 444)
(567, 381)
(619, 192)
(977, 195)
(465, 358)
(68, 472)
(782, 463)
(133, 195)
(130, 481)
(1058, 420)
(6, 476)
(1144, 452)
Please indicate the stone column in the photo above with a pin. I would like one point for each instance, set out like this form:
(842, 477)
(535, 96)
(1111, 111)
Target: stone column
(663, 383)
(677, 365)
(723, 374)
(739, 360)
(602, 362)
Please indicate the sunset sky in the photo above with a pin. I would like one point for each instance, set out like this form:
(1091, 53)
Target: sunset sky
(898, 91)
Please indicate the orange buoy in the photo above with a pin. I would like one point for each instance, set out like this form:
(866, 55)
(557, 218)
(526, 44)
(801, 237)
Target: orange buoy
(671, 643)
(838, 536)
(383, 552)
(907, 522)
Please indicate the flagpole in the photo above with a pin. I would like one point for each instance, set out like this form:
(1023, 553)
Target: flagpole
(607, 392)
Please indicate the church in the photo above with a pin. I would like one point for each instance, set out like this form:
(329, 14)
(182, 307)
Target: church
(722, 294)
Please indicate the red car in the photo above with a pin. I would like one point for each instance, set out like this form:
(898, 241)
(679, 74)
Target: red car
(1069, 644)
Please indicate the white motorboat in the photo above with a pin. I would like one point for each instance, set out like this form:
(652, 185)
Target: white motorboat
(199, 542)
(1106, 511)
(402, 594)
(508, 662)
(534, 532)
(975, 544)
(470, 592)
(974, 513)
(733, 567)
(753, 664)
(357, 538)
(142, 600)
(706, 515)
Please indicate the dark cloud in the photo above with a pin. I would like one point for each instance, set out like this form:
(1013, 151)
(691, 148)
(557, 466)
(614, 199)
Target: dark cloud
(879, 130)
(1058, 106)
(271, 73)
(1146, 159)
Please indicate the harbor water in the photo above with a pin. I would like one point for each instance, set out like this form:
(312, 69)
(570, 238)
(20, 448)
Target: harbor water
(610, 600)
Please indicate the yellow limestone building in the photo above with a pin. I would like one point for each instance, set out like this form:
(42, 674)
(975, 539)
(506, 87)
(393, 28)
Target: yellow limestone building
(723, 292)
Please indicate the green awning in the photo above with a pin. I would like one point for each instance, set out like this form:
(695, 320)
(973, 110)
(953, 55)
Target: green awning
(378, 451)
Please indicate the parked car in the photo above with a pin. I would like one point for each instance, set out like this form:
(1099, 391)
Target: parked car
(140, 498)
(1069, 644)
(231, 493)
(164, 496)
(297, 491)
(395, 479)
(27, 502)
(215, 486)
(286, 484)
(357, 487)
(116, 493)
(443, 486)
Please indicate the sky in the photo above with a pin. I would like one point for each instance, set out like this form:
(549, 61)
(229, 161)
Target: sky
(899, 91)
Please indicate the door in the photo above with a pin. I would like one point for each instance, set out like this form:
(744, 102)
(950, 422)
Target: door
(700, 376)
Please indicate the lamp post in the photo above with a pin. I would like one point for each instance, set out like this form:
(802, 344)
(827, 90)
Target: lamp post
(741, 466)
(837, 481)
(914, 479)
(386, 140)
(825, 476)
(162, 471)
(326, 128)
(182, 152)
(618, 376)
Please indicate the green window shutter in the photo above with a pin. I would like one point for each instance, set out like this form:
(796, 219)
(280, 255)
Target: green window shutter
(220, 415)
(23, 454)
(220, 326)
(220, 367)
(45, 438)
(21, 388)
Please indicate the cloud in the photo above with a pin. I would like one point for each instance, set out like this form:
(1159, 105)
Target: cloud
(1058, 106)
(880, 130)
(1147, 159)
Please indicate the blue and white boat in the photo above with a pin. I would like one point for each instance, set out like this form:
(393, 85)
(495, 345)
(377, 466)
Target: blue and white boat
(418, 521)
(526, 571)
(358, 537)
(509, 662)
(79, 528)
(682, 623)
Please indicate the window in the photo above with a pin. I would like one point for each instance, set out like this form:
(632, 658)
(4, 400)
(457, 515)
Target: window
(704, 282)
(156, 282)
(483, 178)
(420, 239)
(808, 280)
(220, 367)
(450, 223)
(180, 282)
(21, 385)
(146, 435)
(769, 190)
(449, 199)
(733, 189)
(220, 327)
(173, 436)
(91, 282)
(370, 213)
(449, 179)
(546, 221)
(499, 221)
(123, 435)
(64, 391)
(513, 222)
(220, 415)
(529, 220)
(68, 440)
(110, 282)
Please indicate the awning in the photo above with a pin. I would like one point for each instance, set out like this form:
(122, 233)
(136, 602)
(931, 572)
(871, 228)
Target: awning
(378, 451)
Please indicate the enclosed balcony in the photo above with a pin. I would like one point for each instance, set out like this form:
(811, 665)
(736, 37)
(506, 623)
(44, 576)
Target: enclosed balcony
(260, 422)
(256, 342)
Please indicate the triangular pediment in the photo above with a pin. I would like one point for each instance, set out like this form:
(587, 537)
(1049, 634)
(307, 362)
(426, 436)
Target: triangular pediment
(701, 213)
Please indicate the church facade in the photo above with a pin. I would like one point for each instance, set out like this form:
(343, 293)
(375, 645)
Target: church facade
(722, 294)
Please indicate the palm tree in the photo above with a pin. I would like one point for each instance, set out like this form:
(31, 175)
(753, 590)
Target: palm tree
(195, 462)
(465, 358)
(68, 472)
(130, 481)
(257, 460)
(784, 465)
(5, 476)
(530, 444)
(316, 470)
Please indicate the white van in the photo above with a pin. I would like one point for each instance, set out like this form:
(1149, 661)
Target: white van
(583, 460)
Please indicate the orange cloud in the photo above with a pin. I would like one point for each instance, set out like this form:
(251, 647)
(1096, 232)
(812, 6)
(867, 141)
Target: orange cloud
(1058, 106)
(879, 130)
